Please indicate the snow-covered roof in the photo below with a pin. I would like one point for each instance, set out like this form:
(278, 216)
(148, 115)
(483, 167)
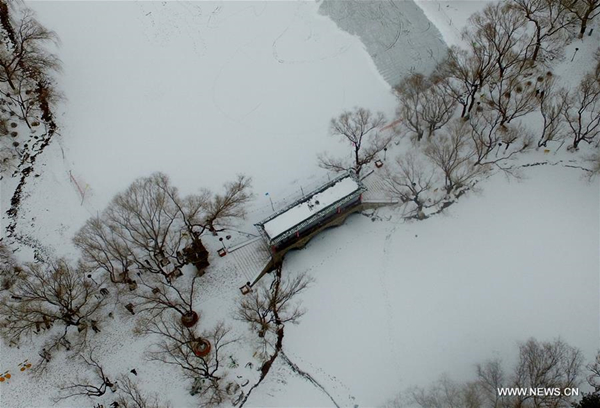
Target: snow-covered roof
(310, 205)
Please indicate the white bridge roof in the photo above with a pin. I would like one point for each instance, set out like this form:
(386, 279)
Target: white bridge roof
(308, 207)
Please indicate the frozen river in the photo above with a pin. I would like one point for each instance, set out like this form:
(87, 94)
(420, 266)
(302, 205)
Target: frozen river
(396, 34)
(206, 90)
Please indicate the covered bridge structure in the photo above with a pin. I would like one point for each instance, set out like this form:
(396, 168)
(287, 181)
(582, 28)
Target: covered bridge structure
(292, 226)
(297, 223)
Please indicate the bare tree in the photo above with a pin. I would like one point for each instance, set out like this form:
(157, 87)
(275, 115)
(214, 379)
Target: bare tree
(581, 110)
(453, 154)
(438, 108)
(445, 393)
(9, 268)
(358, 127)
(150, 228)
(547, 365)
(411, 181)
(223, 208)
(411, 95)
(139, 229)
(21, 101)
(26, 66)
(424, 106)
(511, 96)
(130, 396)
(159, 295)
(29, 101)
(489, 135)
(266, 308)
(463, 73)
(148, 233)
(551, 108)
(583, 11)
(27, 55)
(498, 31)
(103, 249)
(549, 19)
(496, 50)
(27, 91)
(490, 378)
(47, 295)
(178, 347)
(95, 387)
(593, 377)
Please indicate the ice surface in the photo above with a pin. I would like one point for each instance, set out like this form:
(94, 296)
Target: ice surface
(396, 34)
(399, 304)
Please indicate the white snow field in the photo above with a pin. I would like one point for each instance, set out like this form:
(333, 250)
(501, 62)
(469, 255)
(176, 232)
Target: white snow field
(205, 90)
(398, 304)
(450, 16)
(201, 91)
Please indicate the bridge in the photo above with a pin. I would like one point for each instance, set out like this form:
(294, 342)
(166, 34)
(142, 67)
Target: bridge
(296, 224)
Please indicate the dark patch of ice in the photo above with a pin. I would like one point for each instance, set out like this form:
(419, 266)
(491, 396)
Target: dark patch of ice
(396, 34)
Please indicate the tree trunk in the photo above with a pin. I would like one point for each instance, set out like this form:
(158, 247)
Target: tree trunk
(430, 131)
(538, 42)
(464, 110)
(10, 82)
(449, 185)
(536, 51)
(584, 21)
(473, 93)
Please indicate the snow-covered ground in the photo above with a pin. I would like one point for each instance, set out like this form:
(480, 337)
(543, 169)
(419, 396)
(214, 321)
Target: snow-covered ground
(398, 304)
(205, 90)
(199, 90)
(450, 16)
